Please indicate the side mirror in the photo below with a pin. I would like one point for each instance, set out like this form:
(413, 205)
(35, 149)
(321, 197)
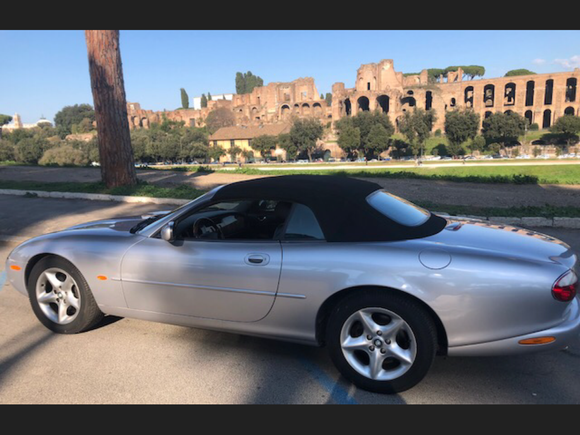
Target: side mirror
(167, 232)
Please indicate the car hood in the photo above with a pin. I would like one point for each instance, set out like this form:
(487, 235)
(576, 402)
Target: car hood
(120, 224)
(504, 240)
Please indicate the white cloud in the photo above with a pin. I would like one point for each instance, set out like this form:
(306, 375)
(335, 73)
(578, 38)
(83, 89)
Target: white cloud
(539, 61)
(573, 62)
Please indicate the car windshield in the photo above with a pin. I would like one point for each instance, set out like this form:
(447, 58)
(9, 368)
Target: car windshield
(146, 222)
(398, 209)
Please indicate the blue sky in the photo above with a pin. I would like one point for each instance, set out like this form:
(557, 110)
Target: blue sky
(43, 71)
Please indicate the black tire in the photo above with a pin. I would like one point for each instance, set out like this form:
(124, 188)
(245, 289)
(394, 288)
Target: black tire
(88, 314)
(417, 319)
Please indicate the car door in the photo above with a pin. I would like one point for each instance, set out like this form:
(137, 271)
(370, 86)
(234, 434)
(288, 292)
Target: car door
(234, 280)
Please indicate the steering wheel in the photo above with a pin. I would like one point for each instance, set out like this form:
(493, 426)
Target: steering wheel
(204, 226)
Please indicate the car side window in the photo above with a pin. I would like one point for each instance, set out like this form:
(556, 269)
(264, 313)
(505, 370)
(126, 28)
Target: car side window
(235, 220)
(303, 225)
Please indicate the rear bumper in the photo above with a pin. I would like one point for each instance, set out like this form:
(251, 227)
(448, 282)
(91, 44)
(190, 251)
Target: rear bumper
(564, 333)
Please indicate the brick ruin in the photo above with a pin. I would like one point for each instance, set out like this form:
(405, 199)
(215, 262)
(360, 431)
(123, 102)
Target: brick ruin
(276, 102)
(541, 98)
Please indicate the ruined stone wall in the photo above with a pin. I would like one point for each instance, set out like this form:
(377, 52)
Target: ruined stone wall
(379, 86)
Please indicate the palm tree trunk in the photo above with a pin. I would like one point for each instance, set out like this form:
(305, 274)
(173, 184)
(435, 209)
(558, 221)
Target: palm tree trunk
(114, 139)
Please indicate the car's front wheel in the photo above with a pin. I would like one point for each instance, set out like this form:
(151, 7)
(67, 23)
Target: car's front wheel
(61, 298)
(381, 341)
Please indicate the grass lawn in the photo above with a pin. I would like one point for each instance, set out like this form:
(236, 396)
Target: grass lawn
(533, 174)
(181, 191)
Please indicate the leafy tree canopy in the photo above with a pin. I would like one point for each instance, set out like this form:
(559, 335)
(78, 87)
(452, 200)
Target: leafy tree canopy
(246, 82)
(5, 119)
(263, 144)
(184, 99)
(218, 118)
(304, 134)
(461, 125)
(503, 128)
(71, 115)
(568, 127)
(519, 72)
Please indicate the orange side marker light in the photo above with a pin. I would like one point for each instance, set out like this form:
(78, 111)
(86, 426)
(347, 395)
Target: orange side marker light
(538, 340)
(14, 267)
(102, 277)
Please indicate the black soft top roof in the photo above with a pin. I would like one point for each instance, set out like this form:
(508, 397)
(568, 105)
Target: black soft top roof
(339, 204)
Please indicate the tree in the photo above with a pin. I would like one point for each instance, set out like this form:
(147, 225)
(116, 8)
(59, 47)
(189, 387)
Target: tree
(434, 74)
(567, 127)
(416, 126)
(5, 119)
(184, 99)
(349, 139)
(6, 151)
(85, 126)
(503, 128)
(476, 144)
(377, 141)
(469, 71)
(215, 152)
(208, 96)
(285, 142)
(245, 83)
(235, 151)
(264, 144)
(218, 118)
(64, 155)
(519, 72)
(29, 151)
(240, 83)
(203, 100)
(322, 96)
(328, 98)
(73, 115)
(116, 154)
(460, 126)
(304, 134)
(364, 122)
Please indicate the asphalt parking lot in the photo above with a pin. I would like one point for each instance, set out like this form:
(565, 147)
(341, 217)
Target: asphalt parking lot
(133, 361)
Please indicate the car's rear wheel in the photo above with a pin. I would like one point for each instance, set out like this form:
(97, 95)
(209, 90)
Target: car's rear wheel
(61, 298)
(381, 341)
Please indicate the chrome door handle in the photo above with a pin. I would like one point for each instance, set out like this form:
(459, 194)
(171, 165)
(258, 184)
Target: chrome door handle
(257, 259)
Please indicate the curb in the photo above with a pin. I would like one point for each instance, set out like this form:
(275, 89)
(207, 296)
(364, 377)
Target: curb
(94, 196)
(531, 221)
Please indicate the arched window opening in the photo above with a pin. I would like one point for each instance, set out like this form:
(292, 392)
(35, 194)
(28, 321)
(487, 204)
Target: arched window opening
(530, 93)
(488, 95)
(549, 91)
(509, 98)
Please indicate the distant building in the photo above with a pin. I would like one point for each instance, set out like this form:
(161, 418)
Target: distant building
(17, 124)
(242, 136)
(197, 100)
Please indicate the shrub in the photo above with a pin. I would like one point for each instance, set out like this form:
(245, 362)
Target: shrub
(534, 127)
(64, 156)
(6, 151)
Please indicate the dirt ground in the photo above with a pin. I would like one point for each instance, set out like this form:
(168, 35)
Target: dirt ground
(439, 192)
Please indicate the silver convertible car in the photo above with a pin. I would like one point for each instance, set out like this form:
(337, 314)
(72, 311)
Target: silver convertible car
(327, 261)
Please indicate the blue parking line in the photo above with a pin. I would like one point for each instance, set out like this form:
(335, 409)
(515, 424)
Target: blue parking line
(2, 279)
(338, 394)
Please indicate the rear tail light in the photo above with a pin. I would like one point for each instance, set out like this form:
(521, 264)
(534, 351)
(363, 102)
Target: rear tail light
(565, 287)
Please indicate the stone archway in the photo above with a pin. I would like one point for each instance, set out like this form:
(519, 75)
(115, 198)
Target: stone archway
(383, 102)
(347, 107)
(306, 111)
(547, 120)
(363, 104)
